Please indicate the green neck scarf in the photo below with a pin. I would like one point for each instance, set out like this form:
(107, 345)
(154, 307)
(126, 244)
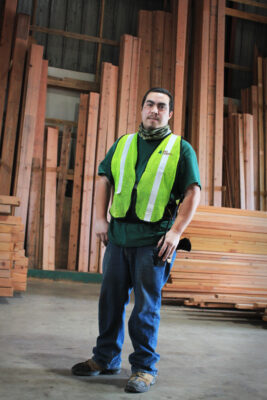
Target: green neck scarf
(153, 134)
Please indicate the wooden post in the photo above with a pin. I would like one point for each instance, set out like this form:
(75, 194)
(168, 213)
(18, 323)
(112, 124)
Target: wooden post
(8, 23)
(61, 187)
(28, 131)
(218, 140)
(77, 183)
(203, 90)
(131, 121)
(125, 64)
(145, 33)
(13, 102)
(248, 159)
(157, 48)
(88, 182)
(180, 73)
(50, 200)
(261, 132)
(33, 231)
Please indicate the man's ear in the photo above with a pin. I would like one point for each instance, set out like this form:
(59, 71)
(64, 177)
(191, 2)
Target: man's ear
(171, 114)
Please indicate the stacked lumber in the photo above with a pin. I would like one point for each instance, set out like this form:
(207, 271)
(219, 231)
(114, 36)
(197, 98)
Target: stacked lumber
(22, 114)
(239, 161)
(164, 55)
(13, 263)
(254, 102)
(228, 264)
(206, 98)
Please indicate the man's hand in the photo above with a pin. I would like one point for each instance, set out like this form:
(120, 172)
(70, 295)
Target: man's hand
(103, 191)
(169, 245)
(101, 230)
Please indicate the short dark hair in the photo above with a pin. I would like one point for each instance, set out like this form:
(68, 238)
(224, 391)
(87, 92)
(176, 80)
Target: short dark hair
(159, 90)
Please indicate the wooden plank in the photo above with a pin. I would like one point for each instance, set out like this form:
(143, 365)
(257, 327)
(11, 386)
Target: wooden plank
(203, 90)
(9, 16)
(73, 35)
(248, 160)
(77, 183)
(211, 111)
(74, 84)
(251, 3)
(245, 15)
(157, 53)
(180, 84)
(88, 182)
(13, 102)
(145, 33)
(125, 64)
(131, 122)
(10, 200)
(241, 158)
(33, 242)
(50, 200)
(28, 131)
(265, 123)
(112, 109)
(6, 292)
(167, 53)
(101, 147)
(261, 131)
(219, 97)
(61, 187)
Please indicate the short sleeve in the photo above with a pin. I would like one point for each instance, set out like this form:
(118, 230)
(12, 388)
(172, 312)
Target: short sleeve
(188, 171)
(104, 167)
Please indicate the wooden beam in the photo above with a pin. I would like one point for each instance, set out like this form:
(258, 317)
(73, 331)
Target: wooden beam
(54, 121)
(245, 15)
(99, 47)
(8, 23)
(203, 90)
(157, 48)
(61, 188)
(237, 67)
(72, 35)
(74, 84)
(145, 33)
(219, 97)
(251, 3)
(13, 102)
(29, 119)
(50, 200)
(88, 182)
(77, 183)
(180, 62)
(132, 116)
(9, 200)
(248, 160)
(125, 64)
(34, 228)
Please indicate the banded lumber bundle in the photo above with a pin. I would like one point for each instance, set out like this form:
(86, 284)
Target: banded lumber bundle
(13, 263)
(228, 262)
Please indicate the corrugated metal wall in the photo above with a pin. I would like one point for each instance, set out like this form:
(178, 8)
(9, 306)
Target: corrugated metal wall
(83, 16)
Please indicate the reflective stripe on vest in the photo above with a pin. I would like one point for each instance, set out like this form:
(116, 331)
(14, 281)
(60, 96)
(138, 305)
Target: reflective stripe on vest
(158, 177)
(154, 187)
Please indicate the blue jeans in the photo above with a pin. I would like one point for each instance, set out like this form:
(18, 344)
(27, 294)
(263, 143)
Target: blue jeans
(124, 269)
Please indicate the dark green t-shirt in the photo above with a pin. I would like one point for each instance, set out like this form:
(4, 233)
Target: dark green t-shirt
(130, 231)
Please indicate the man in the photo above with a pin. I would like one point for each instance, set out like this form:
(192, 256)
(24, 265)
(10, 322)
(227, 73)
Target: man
(150, 172)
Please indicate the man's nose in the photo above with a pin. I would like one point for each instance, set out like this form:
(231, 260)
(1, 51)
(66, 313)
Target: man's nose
(154, 108)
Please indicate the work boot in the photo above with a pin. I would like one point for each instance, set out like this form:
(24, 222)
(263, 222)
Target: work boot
(91, 368)
(140, 382)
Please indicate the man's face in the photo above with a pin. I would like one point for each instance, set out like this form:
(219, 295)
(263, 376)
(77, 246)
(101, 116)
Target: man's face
(156, 112)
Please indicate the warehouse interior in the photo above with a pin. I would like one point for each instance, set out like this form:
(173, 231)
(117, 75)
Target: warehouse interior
(72, 78)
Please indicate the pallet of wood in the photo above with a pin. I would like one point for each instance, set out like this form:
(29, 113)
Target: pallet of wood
(13, 263)
(228, 263)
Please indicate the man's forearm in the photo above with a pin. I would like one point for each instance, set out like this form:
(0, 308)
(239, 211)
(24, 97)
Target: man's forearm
(103, 191)
(187, 209)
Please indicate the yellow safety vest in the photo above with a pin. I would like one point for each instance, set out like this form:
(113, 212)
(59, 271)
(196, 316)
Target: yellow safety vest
(155, 185)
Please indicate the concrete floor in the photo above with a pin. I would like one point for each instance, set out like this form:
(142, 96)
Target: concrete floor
(205, 354)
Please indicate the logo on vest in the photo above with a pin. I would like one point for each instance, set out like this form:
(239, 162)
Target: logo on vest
(165, 153)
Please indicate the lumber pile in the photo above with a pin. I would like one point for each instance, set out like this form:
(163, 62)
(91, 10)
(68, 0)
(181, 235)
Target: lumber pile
(228, 264)
(13, 263)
